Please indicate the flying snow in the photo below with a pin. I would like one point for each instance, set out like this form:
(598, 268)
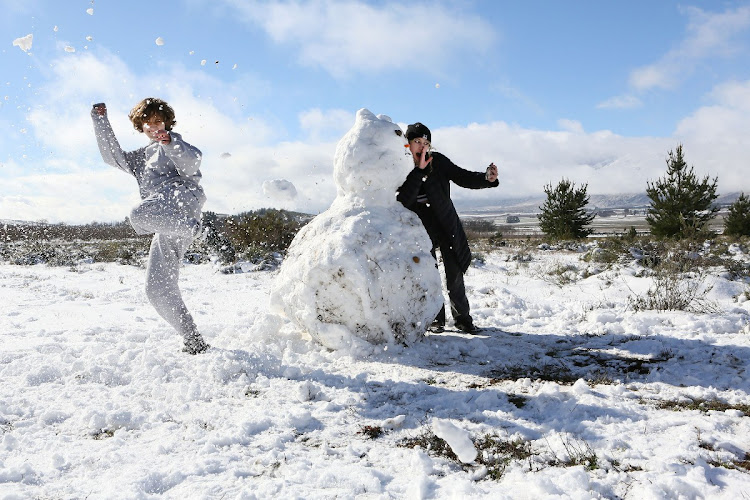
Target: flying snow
(24, 42)
(70, 49)
(159, 41)
(279, 189)
(90, 11)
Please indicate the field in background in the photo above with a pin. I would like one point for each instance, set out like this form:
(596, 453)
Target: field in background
(617, 221)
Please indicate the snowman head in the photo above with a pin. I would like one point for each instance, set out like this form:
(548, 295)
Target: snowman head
(371, 160)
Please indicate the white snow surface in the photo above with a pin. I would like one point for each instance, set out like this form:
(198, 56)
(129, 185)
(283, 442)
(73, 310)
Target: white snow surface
(362, 270)
(458, 439)
(98, 401)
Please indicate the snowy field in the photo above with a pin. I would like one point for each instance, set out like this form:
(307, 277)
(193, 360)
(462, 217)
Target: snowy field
(568, 392)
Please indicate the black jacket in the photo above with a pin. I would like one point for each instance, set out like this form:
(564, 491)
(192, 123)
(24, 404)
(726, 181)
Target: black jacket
(439, 215)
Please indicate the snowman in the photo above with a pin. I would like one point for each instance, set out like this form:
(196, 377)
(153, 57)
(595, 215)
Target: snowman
(362, 270)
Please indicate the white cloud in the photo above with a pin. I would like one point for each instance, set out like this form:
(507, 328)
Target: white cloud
(67, 157)
(69, 182)
(330, 124)
(573, 126)
(69, 194)
(715, 136)
(709, 35)
(620, 102)
(529, 159)
(344, 36)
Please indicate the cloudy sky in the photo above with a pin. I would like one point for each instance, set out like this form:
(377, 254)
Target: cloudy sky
(596, 92)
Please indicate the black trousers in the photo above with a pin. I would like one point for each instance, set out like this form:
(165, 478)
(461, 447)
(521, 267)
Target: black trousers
(454, 279)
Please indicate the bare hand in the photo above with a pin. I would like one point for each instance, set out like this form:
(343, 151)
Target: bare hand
(162, 137)
(424, 159)
(491, 174)
(100, 109)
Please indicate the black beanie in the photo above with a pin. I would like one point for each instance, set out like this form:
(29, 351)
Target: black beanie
(417, 130)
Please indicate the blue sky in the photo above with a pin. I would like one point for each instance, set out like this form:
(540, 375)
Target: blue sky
(597, 92)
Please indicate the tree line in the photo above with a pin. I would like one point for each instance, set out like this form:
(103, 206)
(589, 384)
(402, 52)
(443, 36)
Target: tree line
(681, 206)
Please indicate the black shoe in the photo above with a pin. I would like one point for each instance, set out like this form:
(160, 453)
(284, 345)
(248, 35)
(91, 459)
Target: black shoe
(195, 345)
(468, 327)
(437, 327)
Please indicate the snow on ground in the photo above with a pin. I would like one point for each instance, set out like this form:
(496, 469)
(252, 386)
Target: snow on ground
(98, 401)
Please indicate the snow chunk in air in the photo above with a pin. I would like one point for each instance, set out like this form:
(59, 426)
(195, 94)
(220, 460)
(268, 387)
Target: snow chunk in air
(280, 189)
(24, 42)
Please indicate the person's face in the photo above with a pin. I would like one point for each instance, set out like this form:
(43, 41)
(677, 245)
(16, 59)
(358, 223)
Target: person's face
(153, 126)
(417, 145)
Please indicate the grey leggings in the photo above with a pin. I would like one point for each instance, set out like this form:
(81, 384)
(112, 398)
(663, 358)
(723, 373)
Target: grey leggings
(175, 224)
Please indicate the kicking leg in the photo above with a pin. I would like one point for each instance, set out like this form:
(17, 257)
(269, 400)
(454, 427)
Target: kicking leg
(167, 213)
(162, 274)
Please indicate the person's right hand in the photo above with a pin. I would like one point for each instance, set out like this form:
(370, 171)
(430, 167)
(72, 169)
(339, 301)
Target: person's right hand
(491, 174)
(424, 159)
(100, 108)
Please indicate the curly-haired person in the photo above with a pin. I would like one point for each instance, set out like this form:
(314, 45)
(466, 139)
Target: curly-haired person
(168, 175)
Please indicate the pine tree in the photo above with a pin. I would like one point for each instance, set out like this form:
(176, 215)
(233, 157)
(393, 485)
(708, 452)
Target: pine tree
(681, 205)
(737, 222)
(563, 215)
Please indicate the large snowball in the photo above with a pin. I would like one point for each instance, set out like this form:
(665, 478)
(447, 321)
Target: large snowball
(362, 270)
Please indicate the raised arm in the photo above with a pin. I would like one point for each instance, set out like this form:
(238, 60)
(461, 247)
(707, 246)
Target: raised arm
(109, 147)
(471, 180)
(186, 157)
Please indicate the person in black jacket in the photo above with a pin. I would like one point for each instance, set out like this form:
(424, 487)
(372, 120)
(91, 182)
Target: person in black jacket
(426, 191)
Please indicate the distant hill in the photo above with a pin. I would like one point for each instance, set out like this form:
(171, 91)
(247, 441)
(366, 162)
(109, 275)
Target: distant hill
(530, 205)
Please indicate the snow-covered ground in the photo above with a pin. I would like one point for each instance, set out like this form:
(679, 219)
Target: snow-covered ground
(577, 395)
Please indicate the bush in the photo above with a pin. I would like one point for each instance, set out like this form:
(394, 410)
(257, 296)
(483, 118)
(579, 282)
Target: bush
(478, 228)
(737, 222)
(131, 251)
(681, 205)
(563, 213)
(271, 230)
(678, 282)
(216, 237)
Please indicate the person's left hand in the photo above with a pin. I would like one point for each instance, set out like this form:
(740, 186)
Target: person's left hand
(162, 137)
(491, 174)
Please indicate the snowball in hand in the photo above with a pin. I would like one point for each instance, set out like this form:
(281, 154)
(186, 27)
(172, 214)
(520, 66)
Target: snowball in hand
(280, 189)
(362, 270)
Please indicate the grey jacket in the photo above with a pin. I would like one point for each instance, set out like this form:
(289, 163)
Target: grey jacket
(158, 168)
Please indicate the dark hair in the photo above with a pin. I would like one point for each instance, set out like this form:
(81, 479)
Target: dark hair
(147, 109)
(418, 130)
